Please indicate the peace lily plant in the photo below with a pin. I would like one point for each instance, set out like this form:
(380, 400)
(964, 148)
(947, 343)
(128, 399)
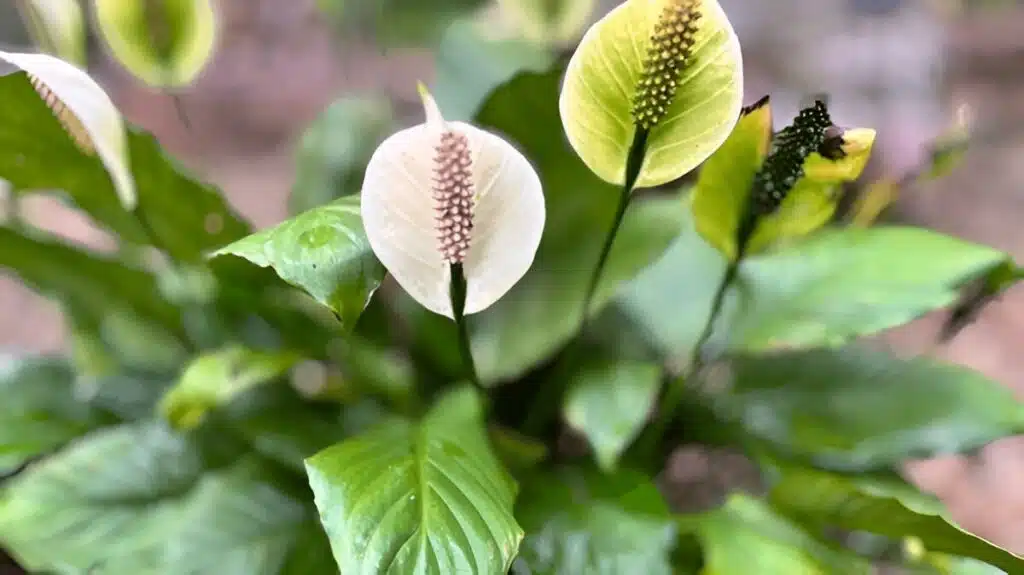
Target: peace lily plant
(238, 401)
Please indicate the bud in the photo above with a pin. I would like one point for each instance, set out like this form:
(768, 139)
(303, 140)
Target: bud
(85, 111)
(57, 27)
(445, 193)
(671, 68)
(165, 43)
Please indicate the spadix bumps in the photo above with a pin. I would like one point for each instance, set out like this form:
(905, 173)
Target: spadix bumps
(165, 43)
(671, 68)
(445, 193)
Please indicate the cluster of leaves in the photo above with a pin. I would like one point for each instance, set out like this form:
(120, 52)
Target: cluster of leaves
(275, 409)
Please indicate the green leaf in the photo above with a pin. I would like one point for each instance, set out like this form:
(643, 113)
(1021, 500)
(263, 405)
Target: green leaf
(880, 504)
(549, 21)
(215, 378)
(684, 281)
(239, 521)
(541, 313)
(419, 498)
(609, 401)
(746, 536)
(40, 409)
(398, 23)
(855, 409)
(595, 524)
(471, 64)
(120, 302)
(723, 186)
(841, 284)
(335, 148)
(184, 217)
(323, 251)
(602, 88)
(106, 501)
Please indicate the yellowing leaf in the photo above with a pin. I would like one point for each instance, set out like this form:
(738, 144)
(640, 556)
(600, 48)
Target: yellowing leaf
(86, 112)
(723, 188)
(165, 43)
(603, 78)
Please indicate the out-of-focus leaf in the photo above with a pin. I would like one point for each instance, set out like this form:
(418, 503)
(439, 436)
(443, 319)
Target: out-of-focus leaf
(215, 378)
(57, 27)
(40, 409)
(398, 23)
(855, 409)
(549, 21)
(334, 150)
(881, 504)
(470, 65)
(845, 283)
(323, 251)
(107, 502)
(184, 217)
(428, 497)
(542, 312)
(609, 401)
(121, 303)
(165, 43)
(587, 522)
(872, 201)
(239, 521)
(746, 536)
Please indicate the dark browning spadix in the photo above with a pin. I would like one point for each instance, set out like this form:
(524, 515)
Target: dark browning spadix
(667, 56)
(453, 196)
(784, 166)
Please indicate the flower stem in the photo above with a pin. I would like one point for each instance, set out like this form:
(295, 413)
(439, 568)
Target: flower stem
(634, 161)
(457, 293)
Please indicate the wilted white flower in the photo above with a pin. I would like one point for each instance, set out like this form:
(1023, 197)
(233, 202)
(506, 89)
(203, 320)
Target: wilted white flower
(441, 194)
(85, 111)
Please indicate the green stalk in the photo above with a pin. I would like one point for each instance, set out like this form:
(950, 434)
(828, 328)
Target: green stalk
(457, 293)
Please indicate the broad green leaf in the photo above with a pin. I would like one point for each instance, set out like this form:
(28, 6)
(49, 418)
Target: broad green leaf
(215, 378)
(723, 186)
(586, 522)
(184, 217)
(120, 302)
(471, 64)
(683, 281)
(323, 251)
(57, 27)
(334, 150)
(603, 77)
(239, 521)
(841, 284)
(813, 200)
(106, 501)
(880, 504)
(427, 497)
(542, 312)
(549, 21)
(855, 409)
(165, 43)
(398, 23)
(746, 536)
(40, 409)
(609, 401)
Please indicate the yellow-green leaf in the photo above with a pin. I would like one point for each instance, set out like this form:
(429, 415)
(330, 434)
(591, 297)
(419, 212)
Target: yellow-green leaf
(165, 43)
(813, 201)
(602, 80)
(57, 27)
(549, 21)
(723, 189)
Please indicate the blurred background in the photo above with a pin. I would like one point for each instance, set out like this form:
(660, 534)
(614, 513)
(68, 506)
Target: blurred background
(904, 67)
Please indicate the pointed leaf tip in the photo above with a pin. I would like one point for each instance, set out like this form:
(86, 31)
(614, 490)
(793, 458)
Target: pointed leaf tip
(430, 108)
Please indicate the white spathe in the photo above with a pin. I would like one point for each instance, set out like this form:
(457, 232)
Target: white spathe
(92, 107)
(398, 210)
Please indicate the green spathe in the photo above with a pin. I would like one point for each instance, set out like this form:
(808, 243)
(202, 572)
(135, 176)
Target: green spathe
(601, 82)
